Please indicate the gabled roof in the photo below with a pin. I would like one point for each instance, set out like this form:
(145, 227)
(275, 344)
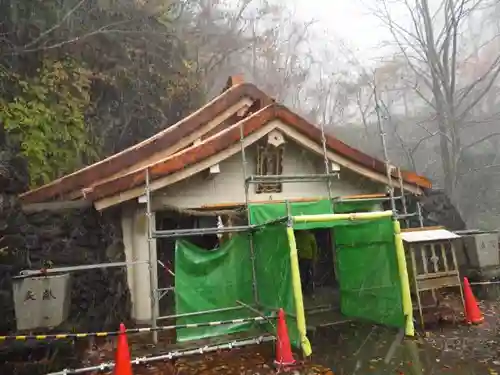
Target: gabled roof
(126, 170)
(230, 136)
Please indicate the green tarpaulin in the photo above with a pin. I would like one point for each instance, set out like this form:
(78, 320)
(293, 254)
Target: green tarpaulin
(368, 275)
(274, 280)
(215, 279)
(366, 257)
(212, 279)
(266, 212)
(347, 207)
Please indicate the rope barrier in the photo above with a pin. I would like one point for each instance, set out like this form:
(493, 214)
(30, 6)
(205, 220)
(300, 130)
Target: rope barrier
(170, 355)
(485, 282)
(61, 336)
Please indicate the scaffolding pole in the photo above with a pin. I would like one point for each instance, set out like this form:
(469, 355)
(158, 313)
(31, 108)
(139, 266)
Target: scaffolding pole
(153, 268)
(402, 190)
(197, 313)
(420, 217)
(403, 198)
(381, 199)
(84, 267)
(177, 233)
(327, 166)
(249, 216)
(388, 169)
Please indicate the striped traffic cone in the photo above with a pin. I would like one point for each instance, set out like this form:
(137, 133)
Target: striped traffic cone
(123, 366)
(472, 313)
(284, 356)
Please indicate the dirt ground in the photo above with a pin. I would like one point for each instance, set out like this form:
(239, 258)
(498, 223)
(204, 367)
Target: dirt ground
(449, 348)
(255, 360)
(251, 360)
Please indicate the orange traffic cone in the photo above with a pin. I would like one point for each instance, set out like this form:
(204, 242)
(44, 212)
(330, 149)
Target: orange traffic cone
(472, 313)
(284, 356)
(122, 357)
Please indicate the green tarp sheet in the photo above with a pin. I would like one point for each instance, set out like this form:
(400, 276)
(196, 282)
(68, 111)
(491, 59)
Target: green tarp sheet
(216, 279)
(273, 274)
(368, 275)
(209, 280)
(267, 212)
(366, 257)
(348, 207)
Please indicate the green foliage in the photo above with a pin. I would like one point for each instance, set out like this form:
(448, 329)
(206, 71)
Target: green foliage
(111, 73)
(46, 115)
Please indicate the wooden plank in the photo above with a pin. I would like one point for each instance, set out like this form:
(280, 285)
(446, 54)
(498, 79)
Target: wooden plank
(223, 205)
(439, 282)
(229, 205)
(419, 229)
(56, 206)
(364, 196)
(435, 275)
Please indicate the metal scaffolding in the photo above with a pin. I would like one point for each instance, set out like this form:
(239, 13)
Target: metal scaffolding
(389, 169)
(248, 181)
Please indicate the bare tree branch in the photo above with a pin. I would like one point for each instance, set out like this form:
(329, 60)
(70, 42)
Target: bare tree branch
(56, 26)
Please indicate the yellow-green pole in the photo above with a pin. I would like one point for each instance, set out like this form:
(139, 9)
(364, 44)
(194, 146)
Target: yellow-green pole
(413, 356)
(297, 294)
(405, 282)
(338, 217)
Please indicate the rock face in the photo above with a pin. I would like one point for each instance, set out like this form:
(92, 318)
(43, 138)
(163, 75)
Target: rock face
(100, 298)
(437, 209)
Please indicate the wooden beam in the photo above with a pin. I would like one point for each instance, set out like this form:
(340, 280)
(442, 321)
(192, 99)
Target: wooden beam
(239, 204)
(56, 206)
(364, 196)
(157, 202)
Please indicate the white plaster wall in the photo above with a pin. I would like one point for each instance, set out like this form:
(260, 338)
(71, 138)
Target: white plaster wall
(135, 240)
(228, 186)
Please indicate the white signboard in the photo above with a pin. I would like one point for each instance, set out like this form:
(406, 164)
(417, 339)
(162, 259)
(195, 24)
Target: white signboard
(42, 301)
